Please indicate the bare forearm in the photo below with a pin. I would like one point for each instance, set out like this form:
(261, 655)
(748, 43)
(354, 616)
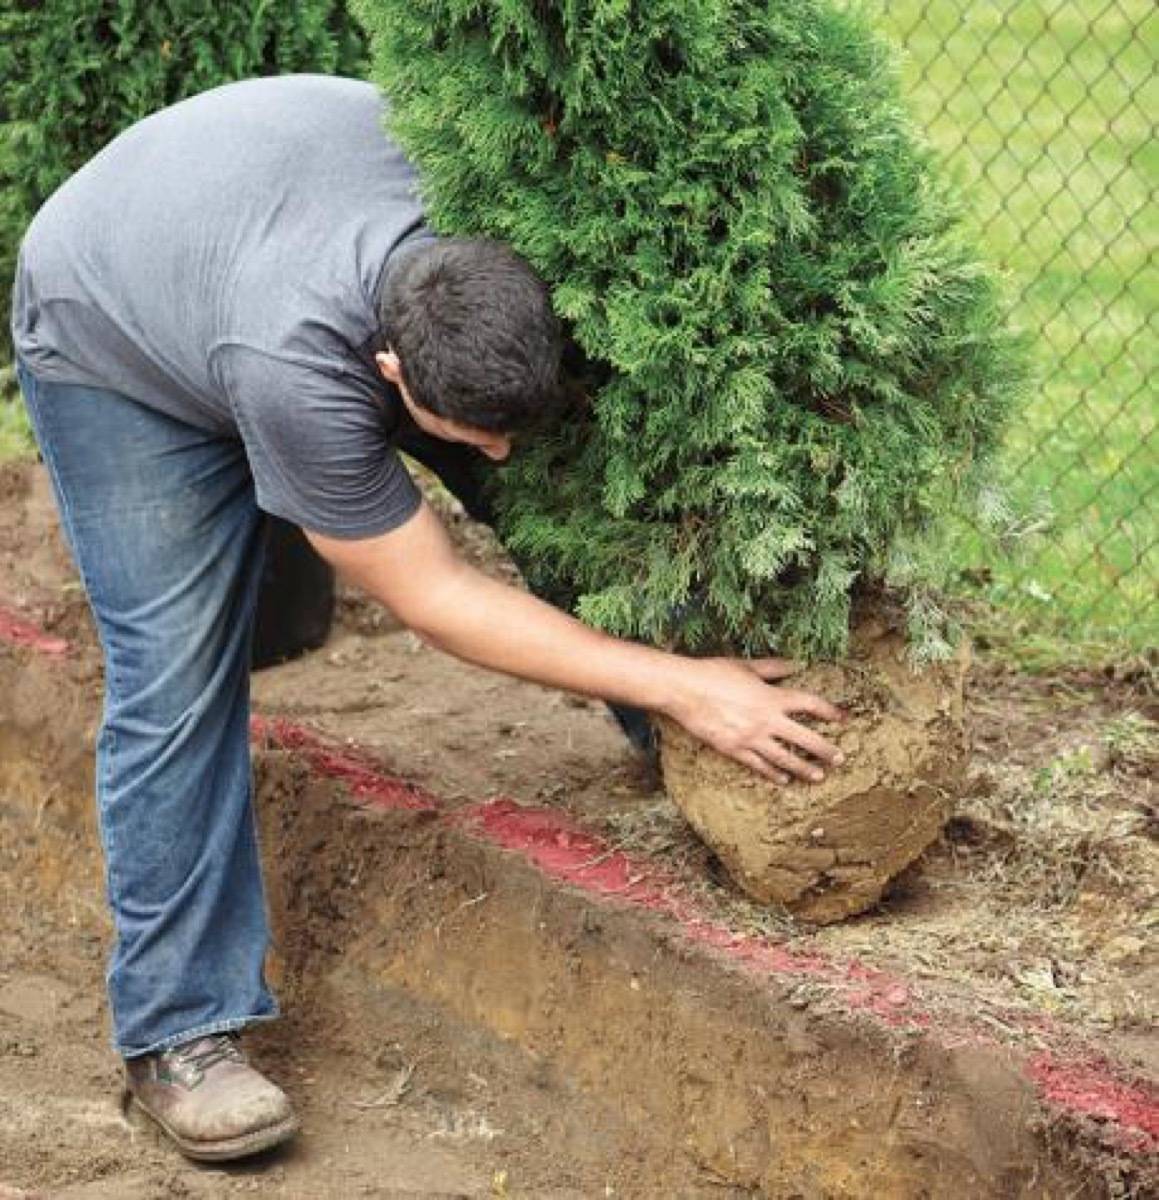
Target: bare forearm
(415, 572)
(492, 625)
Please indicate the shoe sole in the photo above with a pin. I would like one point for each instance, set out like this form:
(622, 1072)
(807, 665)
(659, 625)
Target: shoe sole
(226, 1148)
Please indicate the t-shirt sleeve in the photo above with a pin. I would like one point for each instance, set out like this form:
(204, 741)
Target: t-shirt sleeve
(319, 448)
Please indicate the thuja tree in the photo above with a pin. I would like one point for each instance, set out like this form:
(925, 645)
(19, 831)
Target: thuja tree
(74, 73)
(789, 363)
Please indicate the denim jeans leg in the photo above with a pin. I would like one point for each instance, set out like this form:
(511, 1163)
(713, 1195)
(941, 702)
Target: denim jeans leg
(166, 532)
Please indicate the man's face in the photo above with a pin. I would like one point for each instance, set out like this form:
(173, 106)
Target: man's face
(496, 446)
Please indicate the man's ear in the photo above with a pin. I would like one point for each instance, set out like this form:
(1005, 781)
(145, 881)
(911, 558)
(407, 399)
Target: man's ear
(389, 366)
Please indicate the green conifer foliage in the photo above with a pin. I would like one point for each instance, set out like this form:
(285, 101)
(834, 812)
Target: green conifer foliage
(74, 73)
(792, 361)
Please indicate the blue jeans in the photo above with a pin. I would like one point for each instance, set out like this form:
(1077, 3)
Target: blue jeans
(165, 529)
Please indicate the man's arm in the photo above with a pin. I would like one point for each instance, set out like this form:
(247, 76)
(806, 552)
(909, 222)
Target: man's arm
(416, 573)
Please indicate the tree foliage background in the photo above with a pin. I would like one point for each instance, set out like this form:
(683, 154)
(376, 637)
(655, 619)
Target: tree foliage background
(790, 362)
(74, 73)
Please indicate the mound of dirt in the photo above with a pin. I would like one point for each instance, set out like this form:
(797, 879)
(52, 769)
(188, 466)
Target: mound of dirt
(827, 851)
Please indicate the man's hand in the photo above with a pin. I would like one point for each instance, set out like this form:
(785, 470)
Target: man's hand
(724, 702)
(415, 572)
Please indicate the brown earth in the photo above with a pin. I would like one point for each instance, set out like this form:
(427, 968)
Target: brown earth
(576, 1048)
(1039, 900)
(827, 851)
(399, 1097)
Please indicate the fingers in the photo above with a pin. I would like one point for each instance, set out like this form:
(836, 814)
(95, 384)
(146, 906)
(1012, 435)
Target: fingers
(754, 724)
(778, 763)
(806, 702)
(752, 760)
(781, 756)
(770, 668)
(804, 737)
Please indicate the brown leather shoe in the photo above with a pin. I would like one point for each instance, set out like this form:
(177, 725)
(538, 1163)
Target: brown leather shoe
(209, 1100)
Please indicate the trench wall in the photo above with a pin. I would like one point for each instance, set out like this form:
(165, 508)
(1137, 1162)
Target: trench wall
(786, 1073)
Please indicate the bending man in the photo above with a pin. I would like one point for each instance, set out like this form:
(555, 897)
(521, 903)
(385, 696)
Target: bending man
(236, 310)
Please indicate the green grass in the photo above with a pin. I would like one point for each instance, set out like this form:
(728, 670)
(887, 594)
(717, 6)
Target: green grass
(1044, 110)
(16, 439)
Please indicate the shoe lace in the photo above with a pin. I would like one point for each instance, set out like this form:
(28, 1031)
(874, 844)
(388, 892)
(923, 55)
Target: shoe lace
(208, 1051)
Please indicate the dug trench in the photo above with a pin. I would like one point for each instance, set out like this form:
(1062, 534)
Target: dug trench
(488, 998)
(386, 917)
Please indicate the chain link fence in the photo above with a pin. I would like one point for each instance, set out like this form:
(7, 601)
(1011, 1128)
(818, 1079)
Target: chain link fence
(1046, 111)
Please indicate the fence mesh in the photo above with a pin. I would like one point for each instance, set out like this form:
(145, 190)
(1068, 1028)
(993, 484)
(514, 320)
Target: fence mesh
(1046, 110)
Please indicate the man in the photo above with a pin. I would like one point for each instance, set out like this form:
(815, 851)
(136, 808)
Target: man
(235, 310)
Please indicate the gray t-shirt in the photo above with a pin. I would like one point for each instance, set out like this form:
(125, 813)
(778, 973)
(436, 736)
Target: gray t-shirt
(220, 262)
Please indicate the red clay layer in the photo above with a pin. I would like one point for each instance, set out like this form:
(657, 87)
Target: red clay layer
(566, 851)
(361, 775)
(1086, 1086)
(16, 631)
(1091, 1087)
(561, 849)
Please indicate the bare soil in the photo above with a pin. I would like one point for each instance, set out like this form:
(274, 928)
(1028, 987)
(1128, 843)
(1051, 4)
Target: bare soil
(1040, 898)
(423, 1108)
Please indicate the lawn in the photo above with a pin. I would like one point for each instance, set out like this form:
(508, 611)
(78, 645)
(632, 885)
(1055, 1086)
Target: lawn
(1046, 115)
(1045, 111)
(15, 435)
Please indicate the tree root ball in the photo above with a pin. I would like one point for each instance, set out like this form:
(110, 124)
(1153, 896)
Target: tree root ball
(827, 851)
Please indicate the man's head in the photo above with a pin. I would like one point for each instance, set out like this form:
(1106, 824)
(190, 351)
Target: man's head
(471, 341)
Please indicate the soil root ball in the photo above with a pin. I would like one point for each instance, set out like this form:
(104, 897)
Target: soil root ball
(827, 851)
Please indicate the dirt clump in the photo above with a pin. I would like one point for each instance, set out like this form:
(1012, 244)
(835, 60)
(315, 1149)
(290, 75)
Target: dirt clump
(827, 851)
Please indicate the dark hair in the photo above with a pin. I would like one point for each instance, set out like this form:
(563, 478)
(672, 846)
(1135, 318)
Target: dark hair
(473, 329)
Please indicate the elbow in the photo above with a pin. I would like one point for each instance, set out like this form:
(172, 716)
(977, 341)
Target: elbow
(434, 613)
